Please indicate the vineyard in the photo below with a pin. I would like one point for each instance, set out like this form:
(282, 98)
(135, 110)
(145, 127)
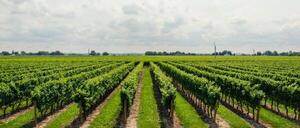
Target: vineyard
(138, 91)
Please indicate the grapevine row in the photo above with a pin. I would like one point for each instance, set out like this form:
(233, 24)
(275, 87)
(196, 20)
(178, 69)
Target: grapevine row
(242, 91)
(22, 90)
(93, 90)
(56, 93)
(201, 88)
(128, 88)
(279, 91)
(166, 89)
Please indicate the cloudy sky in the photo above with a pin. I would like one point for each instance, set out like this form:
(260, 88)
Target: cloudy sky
(140, 25)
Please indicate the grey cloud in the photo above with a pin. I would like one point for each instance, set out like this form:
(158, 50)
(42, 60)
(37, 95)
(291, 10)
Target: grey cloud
(138, 27)
(171, 25)
(132, 9)
(141, 25)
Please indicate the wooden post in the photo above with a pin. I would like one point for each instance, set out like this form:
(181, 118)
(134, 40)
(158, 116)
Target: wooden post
(248, 111)
(286, 110)
(242, 108)
(81, 113)
(278, 110)
(272, 104)
(299, 114)
(27, 102)
(172, 112)
(295, 114)
(125, 111)
(232, 102)
(215, 114)
(35, 114)
(253, 114)
(4, 111)
(257, 115)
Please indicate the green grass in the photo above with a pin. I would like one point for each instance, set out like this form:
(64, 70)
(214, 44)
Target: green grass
(148, 116)
(9, 109)
(281, 107)
(188, 116)
(275, 120)
(65, 118)
(20, 121)
(109, 114)
(233, 119)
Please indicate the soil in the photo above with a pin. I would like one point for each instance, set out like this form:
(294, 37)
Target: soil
(176, 121)
(212, 124)
(282, 113)
(97, 110)
(166, 120)
(13, 116)
(134, 110)
(44, 123)
(221, 122)
(248, 118)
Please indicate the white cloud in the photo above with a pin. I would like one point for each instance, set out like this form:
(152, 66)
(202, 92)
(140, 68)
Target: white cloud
(136, 26)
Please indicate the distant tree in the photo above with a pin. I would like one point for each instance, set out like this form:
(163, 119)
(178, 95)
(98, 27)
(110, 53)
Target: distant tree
(258, 53)
(294, 53)
(165, 53)
(268, 53)
(284, 54)
(105, 53)
(159, 53)
(148, 53)
(275, 53)
(178, 53)
(93, 53)
(5, 53)
(16, 53)
(42, 53)
(225, 52)
(56, 53)
(30, 53)
(23, 53)
(151, 53)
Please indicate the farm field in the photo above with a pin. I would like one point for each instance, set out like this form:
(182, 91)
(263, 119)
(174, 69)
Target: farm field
(174, 91)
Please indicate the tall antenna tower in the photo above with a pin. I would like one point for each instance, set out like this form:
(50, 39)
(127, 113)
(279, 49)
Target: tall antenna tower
(215, 48)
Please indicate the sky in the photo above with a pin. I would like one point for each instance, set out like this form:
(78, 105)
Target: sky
(140, 25)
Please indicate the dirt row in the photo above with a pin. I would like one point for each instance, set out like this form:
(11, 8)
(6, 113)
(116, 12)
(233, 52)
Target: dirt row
(134, 110)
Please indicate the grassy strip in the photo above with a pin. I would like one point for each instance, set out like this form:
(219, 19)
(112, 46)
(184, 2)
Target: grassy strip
(233, 119)
(148, 116)
(20, 121)
(64, 118)
(109, 114)
(188, 116)
(9, 109)
(281, 108)
(275, 120)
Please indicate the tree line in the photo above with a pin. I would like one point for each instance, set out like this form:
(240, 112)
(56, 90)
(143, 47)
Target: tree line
(94, 53)
(47, 53)
(275, 53)
(154, 53)
(23, 53)
(223, 53)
